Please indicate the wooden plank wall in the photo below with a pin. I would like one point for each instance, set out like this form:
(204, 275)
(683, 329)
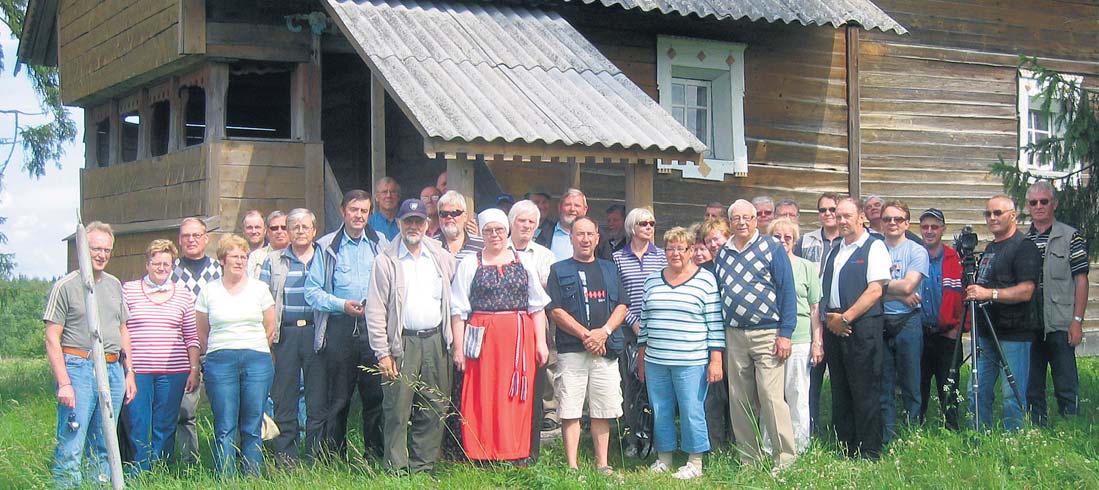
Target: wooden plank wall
(165, 187)
(105, 43)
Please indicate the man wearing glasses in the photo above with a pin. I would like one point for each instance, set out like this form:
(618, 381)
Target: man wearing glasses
(759, 304)
(278, 238)
(765, 210)
(1062, 296)
(1006, 279)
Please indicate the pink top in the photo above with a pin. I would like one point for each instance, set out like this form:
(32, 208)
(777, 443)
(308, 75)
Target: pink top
(160, 333)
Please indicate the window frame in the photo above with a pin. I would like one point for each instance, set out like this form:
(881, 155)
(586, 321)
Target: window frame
(1028, 90)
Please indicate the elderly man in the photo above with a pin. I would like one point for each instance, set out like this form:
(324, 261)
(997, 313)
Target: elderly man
(453, 230)
(615, 237)
(285, 273)
(714, 210)
(278, 238)
(903, 347)
(788, 208)
(336, 288)
(1007, 276)
(1062, 296)
(573, 205)
(193, 271)
(252, 226)
(941, 312)
(384, 219)
(408, 302)
(430, 196)
(872, 207)
(852, 285)
(588, 306)
(759, 302)
(441, 182)
(765, 210)
(68, 347)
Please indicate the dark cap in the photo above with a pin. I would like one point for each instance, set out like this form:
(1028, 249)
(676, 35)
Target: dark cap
(934, 213)
(505, 198)
(412, 207)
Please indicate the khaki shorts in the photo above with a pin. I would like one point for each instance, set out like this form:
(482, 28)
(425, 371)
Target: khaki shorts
(580, 376)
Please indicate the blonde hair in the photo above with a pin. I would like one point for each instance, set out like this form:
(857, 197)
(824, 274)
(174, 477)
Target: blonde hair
(228, 243)
(100, 227)
(679, 234)
(160, 246)
(784, 224)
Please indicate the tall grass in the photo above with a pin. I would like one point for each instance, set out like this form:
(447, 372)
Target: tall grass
(1064, 456)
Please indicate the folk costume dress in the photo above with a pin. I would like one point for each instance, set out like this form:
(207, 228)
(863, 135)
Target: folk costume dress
(498, 390)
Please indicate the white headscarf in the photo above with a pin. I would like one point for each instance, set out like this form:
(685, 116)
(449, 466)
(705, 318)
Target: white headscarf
(493, 215)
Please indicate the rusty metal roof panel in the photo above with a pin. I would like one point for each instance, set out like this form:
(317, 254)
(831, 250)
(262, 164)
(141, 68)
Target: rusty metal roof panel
(806, 12)
(485, 73)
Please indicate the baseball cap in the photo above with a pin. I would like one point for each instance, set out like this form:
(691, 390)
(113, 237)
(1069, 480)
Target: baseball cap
(934, 213)
(412, 207)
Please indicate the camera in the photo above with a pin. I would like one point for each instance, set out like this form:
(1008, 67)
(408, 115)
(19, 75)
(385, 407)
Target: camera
(965, 243)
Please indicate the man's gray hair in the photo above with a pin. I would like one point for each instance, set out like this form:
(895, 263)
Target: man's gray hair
(298, 214)
(249, 214)
(453, 198)
(524, 208)
(873, 197)
(1042, 185)
(572, 191)
(275, 214)
(636, 216)
(100, 227)
(788, 202)
(756, 201)
(729, 213)
(193, 219)
(386, 180)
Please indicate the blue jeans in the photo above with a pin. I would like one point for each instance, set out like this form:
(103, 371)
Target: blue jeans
(237, 383)
(901, 367)
(87, 440)
(152, 416)
(683, 387)
(1017, 355)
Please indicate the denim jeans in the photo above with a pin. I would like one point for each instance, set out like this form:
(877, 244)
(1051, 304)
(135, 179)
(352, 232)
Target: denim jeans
(151, 416)
(87, 440)
(901, 367)
(1017, 355)
(683, 387)
(1054, 352)
(237, 383)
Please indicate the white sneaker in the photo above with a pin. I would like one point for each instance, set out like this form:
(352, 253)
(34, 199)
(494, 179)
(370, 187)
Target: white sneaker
(687, 472)
(658, 466)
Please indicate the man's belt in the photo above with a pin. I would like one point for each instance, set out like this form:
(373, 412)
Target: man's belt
(298, 323)
(73, 351)
(427, 332)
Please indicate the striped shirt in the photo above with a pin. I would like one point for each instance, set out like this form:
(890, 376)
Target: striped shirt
(680, 325)
(633, 272)
(160, 333)
(471, 246)
(1077, 250)
(294, 305)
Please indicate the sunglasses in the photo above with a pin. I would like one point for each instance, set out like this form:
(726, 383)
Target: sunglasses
(764, 213)
(893, 219)
(826, 210)
(451, 214)
(277, 228)
(647, 223)
(997, 212)
(1035, 202)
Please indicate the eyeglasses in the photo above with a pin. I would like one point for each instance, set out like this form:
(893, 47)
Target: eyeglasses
(678, 250)
(826, 210)
(784, 238)
(191, 236)
(930, 227)
(99, 250)
(494, 231)
(277, 228)
(646, 223)
(997, 212)
(893, 219)
(1035, 202)
(746, 218)
(764, 212)
(429, 198)
(160, 265)
(451, 214)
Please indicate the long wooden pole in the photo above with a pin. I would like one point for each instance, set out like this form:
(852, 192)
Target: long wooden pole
(102, 381)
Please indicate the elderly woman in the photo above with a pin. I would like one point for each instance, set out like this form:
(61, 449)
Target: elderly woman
(681, 340)
(808, 343)
(236, 324)
(496, 294)
(164, 350)
(700, 253)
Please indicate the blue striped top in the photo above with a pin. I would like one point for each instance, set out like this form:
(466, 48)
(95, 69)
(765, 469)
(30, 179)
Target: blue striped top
(633, 272)
(294, 305)
(680, 325)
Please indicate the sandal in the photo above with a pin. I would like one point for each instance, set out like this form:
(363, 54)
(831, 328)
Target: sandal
(688, 472)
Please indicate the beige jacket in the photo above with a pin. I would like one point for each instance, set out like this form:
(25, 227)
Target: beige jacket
(385, 300)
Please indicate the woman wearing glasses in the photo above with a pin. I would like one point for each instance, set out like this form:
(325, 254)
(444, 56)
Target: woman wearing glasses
(164, 351)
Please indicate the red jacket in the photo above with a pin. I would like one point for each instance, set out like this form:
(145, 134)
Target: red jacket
(950, 312)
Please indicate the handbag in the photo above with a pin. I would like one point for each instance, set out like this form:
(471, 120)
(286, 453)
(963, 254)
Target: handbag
(475, 338)
(269, 429)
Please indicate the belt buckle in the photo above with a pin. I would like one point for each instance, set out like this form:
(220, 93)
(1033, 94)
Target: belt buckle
(302, 323)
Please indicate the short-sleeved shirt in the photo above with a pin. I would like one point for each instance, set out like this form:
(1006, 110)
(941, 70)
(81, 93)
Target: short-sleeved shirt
(593, 294)
(1004, 264)
(807, 285)
(907, 257)
(236, 320)
(877, 268)
(65, 306)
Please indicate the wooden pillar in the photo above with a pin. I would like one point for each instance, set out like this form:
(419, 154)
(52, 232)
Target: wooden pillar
(145, 126)
(854, 128)
(114, 136)
(574, 174)
(176, 129)
(192, 27)
(459, 175)
(217, 88)
(91, 139)
(377, 129)
(639, 185)
(305, 104)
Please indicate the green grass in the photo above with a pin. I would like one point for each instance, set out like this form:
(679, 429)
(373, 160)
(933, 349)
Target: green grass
(1064, 456)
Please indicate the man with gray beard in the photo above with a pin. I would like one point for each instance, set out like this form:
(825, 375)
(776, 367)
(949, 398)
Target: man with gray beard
(573, 205)
(453, 234)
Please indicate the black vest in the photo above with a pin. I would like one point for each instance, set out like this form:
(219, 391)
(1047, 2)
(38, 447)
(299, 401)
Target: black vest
(852, 280)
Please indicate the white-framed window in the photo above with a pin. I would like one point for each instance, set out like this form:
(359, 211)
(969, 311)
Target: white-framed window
(701, 83)
(1036, 124)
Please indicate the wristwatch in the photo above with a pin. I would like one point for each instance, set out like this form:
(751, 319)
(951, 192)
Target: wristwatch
(608, 330)
(1078, 318)
(844, 320)
(995, 294)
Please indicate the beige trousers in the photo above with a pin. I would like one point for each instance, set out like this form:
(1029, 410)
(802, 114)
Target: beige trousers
(757, 384)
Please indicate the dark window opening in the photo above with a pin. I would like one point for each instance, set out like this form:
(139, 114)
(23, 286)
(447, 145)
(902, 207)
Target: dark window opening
(131, 124)
(258, 101)
(103, 143)
(160, 125)
(194, 115)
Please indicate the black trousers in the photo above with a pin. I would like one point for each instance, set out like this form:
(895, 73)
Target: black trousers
(346, 349)
(1055, 352)
(816, 385)
(295, 361)
(855, 363)
(937, 361)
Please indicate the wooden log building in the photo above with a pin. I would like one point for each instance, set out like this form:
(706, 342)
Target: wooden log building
(213, 107)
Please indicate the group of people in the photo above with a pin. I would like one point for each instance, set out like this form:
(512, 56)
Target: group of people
(469, 336)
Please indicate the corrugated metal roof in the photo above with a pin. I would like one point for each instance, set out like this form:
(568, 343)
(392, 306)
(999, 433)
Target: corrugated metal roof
(486, 73)
(807, 12)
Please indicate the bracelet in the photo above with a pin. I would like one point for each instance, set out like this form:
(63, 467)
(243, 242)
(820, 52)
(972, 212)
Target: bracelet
(64, 385)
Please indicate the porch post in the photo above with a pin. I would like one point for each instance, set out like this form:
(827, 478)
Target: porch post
(217, 88)
(639, 185)
(377, 129)
(459, 175)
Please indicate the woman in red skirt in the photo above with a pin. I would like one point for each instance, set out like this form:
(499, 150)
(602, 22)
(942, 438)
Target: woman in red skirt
(499, 292)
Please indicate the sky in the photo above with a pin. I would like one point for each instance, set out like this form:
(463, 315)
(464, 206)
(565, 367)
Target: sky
(40, 212)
